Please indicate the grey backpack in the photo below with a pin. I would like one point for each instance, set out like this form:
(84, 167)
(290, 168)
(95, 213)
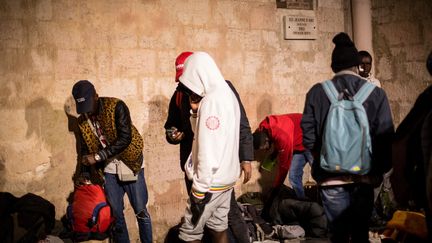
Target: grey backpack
(346, 145)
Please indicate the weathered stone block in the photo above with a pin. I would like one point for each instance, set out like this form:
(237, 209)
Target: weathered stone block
(12, 33)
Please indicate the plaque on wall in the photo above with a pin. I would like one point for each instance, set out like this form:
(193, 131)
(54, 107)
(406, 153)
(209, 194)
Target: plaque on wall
(296, 4)
(298, 27)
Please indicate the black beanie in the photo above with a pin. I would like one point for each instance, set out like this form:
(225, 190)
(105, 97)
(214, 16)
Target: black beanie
(345, 54)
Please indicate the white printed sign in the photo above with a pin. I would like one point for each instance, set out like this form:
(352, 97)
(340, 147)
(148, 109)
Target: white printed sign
(300, 27)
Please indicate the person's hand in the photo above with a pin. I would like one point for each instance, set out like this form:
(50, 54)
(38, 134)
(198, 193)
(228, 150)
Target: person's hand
(82, 180)
(198, 206)
(88, 159)
(194, 107)
(174, 135)
(247, 171)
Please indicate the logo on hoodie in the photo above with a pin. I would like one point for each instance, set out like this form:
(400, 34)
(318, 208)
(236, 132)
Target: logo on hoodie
(212, 123)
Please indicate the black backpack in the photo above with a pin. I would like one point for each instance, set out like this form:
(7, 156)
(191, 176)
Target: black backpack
(28, 219)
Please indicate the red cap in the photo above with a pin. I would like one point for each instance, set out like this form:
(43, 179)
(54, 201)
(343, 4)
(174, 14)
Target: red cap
(179, 63)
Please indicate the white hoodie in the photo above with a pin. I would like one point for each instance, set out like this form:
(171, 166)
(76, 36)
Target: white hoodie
(214, 162)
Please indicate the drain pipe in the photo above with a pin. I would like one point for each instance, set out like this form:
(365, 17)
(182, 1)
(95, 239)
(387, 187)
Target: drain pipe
(362, 25)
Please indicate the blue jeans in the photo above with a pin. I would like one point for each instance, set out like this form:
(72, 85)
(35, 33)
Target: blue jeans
(295, 175)
(138, 197)
(348, 209)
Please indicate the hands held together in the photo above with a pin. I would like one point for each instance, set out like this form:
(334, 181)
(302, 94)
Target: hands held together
(88, 159)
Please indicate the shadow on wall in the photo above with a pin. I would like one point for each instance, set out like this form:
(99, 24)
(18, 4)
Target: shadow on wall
(155, 152)
(72, 118)
(264, 107)
(46, 123)
(154, 133)
(157, 166)
(43, 121)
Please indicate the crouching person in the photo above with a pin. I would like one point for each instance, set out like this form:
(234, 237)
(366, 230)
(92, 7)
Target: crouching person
(213, 166)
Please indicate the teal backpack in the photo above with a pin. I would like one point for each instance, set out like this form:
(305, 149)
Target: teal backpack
(346, 142)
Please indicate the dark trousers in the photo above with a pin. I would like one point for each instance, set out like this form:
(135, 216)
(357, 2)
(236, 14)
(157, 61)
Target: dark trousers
(236, 222)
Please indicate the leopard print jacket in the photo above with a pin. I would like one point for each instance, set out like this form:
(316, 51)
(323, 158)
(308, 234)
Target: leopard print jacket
(131, 156)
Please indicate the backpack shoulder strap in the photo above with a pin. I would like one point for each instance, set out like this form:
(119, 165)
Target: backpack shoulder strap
(330, 90)
(364, 92)
(95, 214)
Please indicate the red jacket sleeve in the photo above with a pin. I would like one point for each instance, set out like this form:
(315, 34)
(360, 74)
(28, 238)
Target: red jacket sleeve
(281, 133)
(285, 146)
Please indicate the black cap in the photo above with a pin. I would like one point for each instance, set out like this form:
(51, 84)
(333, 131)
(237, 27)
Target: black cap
(83, 92)
(345, 54)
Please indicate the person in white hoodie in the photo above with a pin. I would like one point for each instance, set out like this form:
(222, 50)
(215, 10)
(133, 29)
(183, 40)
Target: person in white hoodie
(213, 165)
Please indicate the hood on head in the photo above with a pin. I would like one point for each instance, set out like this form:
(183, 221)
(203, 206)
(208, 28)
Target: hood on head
(201, 74)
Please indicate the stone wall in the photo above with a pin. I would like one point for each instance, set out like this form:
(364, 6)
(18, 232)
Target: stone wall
(402, 40)
(127, 49)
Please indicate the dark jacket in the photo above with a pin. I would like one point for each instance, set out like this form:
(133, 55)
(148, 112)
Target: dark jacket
(179, 114)
(286, 209)
(412, 152)
(178, 117)
(380, 124)
(124, 139)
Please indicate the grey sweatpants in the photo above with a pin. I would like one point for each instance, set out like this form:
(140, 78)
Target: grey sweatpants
(215, 217)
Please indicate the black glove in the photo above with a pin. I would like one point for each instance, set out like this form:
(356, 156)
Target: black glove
(197, 207)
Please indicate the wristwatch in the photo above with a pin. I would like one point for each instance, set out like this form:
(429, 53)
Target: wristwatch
(97, 157)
